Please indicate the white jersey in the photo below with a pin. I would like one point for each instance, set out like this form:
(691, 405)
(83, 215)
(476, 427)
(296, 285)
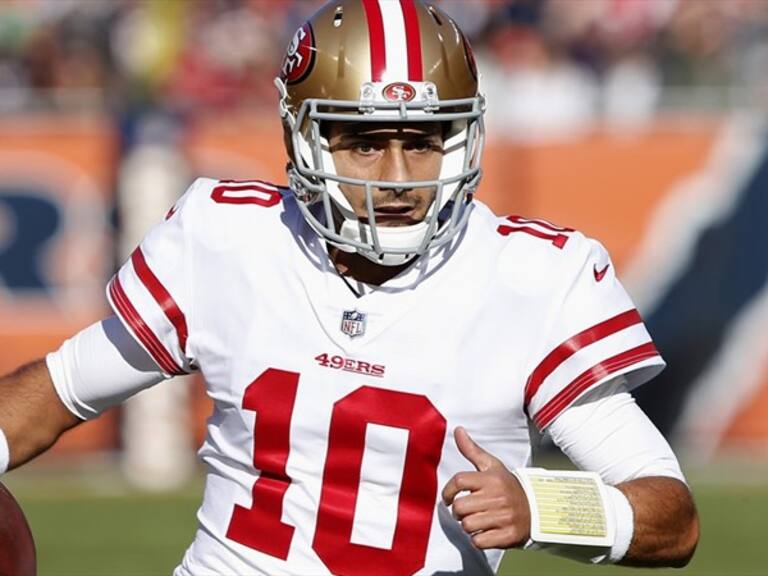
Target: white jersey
(331, 436)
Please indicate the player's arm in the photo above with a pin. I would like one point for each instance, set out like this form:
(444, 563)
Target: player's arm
(666, 525)
(94, 370)
(608, 433)
(656, 519)
(106, 363)
(32, 417)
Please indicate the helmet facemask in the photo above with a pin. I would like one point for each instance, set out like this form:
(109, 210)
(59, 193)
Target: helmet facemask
(314, 178)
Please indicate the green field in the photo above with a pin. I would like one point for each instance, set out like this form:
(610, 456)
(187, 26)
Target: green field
(98, 527)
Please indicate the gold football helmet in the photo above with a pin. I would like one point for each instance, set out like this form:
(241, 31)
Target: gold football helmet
(381, 61)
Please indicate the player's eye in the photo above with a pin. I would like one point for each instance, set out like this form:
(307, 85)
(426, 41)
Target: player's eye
(423, 145)
(365, 148)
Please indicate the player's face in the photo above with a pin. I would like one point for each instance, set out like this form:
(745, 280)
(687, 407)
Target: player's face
(398, 153)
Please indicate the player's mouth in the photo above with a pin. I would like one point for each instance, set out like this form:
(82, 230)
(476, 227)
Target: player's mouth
(395, 215)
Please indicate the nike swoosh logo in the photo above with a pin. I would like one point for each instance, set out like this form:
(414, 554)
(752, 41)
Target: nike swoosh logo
(600, 274)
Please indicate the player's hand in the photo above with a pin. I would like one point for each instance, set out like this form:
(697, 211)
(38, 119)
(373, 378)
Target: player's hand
(495, 512)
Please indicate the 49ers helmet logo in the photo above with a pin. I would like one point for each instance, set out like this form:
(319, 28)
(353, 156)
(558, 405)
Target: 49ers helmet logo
(300, 55)
(399, 92)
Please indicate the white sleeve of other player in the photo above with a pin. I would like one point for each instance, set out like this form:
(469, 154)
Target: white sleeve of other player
(594, 334)
(607, 432)
(152, 292)
(100, 367)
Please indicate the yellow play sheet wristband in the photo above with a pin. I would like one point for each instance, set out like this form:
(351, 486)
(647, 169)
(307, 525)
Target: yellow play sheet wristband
(568, 507)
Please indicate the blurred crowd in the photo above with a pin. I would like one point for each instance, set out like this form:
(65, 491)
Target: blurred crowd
(548, 65)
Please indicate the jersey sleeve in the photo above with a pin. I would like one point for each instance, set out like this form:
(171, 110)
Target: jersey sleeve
(595, 335)
(152, 293)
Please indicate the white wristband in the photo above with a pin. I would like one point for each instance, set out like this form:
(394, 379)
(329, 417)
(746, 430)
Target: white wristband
(625, 524)
(5, 455)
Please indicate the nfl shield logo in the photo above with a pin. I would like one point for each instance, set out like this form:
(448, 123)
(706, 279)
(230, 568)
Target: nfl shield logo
(353, 323)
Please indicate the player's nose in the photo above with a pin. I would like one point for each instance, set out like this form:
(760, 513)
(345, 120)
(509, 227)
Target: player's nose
(395, 167)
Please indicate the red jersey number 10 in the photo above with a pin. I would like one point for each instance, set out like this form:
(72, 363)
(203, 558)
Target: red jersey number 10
(272, 396)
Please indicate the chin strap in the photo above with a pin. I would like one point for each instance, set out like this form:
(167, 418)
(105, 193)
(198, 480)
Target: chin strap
(390, 238)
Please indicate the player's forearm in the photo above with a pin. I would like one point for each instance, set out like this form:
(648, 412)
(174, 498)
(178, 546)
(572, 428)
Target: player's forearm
(31, 414)
(666, 522)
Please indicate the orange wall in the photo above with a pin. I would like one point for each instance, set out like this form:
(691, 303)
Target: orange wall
(71, 163)
(604, 184)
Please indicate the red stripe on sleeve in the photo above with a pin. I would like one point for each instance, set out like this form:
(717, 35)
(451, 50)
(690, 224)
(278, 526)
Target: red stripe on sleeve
(507, 230)
(161, 296)
(543, 223)
(412, 39)
(573, 345)
(142, 331)
(567, 395)
(376, 39)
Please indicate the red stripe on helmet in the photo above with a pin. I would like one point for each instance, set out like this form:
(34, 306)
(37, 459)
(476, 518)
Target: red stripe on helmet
(412, 39)
(376, 39)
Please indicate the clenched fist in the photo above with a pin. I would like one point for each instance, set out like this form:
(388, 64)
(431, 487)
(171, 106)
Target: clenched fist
(495, 512)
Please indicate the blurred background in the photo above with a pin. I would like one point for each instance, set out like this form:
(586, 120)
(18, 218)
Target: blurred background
(640, 122)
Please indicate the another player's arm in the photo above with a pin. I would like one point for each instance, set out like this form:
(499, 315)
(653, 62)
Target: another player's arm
(31, 414)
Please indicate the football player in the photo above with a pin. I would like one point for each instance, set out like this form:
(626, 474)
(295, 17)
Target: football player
(377, 343)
